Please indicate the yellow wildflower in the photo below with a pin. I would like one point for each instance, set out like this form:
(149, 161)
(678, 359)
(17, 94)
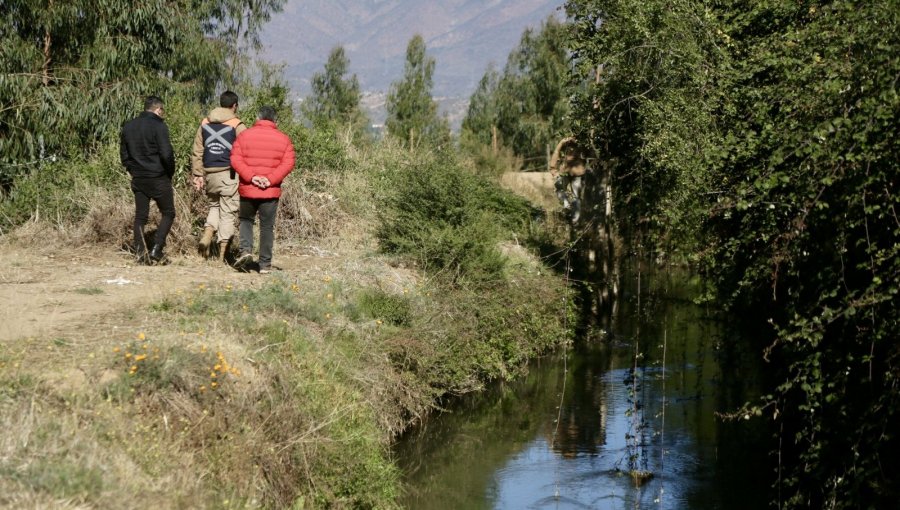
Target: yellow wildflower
(141, 336)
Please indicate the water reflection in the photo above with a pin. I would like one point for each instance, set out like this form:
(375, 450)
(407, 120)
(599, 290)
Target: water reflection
(566, 435)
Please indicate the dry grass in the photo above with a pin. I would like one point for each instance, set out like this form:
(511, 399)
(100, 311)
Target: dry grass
(536, 187)
(305, 218)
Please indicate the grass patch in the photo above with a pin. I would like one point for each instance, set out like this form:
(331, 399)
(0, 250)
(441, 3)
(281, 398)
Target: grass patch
(60, 478)
(89, 291)
(389, 308)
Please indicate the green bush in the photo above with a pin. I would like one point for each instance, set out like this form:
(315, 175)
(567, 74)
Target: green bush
(447, 220)
(393, 309)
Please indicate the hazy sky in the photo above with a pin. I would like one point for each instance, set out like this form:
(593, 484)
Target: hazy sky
(462, 35)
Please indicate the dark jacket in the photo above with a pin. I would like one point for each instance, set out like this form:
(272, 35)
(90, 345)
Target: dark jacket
(145, 148)
(207, 158)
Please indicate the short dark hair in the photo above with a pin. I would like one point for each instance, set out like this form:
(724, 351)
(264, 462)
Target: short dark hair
(267, 113)
(228, 99)
(152, 103)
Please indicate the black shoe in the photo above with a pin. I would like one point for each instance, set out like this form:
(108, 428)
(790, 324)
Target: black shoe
(156, 253)
(243, 260)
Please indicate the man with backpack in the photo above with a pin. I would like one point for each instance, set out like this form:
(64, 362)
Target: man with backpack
(211, 169)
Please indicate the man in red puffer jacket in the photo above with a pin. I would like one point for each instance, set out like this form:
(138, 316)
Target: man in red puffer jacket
(262, 156)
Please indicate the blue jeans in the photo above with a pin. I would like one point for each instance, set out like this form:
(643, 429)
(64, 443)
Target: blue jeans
(266, 208)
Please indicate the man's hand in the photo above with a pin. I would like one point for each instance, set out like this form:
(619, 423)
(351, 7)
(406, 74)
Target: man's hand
(260, 181)
(198, 181)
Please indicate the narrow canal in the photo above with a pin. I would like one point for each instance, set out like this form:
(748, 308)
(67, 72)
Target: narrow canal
(569, 434)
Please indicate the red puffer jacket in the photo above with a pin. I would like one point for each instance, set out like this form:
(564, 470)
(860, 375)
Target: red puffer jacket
(265, 151)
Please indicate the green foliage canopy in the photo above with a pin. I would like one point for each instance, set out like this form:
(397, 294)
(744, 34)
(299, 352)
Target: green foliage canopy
(71, 72)
(528, 102)
(412, 113)
(335, 97)
(762, 136)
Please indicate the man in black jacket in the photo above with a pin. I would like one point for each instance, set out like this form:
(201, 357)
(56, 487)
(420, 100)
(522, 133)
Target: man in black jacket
(147, 155)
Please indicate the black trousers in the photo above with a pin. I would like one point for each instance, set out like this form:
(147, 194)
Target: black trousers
(158, 189)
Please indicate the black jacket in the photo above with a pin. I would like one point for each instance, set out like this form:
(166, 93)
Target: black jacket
(145, 148)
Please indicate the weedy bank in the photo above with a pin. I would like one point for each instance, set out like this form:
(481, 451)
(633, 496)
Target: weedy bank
(286, 392)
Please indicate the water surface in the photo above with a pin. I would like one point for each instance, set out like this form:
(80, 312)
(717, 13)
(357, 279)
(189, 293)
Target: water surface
(568, 433)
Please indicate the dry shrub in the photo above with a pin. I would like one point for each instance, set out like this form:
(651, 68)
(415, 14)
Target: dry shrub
(111, 216)
(305, 215)
(262, 422)
(408, 397)
(40, 235)
(537, 187)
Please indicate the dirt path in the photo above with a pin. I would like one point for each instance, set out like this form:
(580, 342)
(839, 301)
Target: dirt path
(47, 293)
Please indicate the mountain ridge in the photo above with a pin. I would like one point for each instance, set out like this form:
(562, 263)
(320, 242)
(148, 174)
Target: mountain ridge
(463, 36)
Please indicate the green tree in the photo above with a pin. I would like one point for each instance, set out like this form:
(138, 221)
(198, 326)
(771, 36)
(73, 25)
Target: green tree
(335, 97)
(525, 106)
(760, 137)
(72, 71)
(480, 122)
(412, 113)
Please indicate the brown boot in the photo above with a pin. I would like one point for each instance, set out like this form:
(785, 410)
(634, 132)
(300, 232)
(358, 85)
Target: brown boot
(206, 240)
(223, 249)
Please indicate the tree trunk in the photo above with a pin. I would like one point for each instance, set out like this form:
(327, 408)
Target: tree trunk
(45, 69)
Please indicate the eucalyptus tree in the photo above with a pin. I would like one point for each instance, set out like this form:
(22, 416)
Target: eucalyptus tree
(71, 71)
(335, 96)
(480, 122)
(526, 105)
(412, 112)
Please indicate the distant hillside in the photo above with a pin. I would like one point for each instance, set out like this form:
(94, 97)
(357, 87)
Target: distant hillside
(462, 35)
